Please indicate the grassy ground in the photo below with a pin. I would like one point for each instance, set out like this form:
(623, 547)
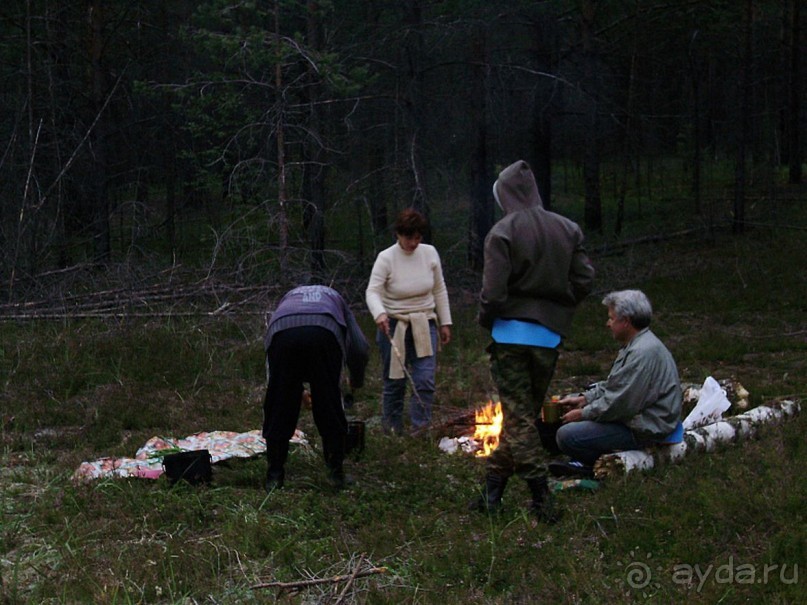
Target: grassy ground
(722, 527)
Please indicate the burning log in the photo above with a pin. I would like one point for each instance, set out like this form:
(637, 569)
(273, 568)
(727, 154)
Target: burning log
(703, 439)
(455, 421)
(478, 430)
(488, 427)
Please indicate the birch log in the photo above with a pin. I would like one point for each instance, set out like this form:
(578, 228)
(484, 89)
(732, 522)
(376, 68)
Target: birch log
(703, 439)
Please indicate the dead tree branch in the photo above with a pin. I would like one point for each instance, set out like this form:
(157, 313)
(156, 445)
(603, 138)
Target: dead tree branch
(300, 584)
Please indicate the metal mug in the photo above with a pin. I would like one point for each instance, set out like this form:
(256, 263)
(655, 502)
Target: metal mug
(355, 437)
(552, 412)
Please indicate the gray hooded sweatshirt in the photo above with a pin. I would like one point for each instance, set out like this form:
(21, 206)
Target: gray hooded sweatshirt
(536, 268)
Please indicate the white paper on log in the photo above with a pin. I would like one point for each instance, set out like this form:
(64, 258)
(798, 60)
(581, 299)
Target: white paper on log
(712, 402)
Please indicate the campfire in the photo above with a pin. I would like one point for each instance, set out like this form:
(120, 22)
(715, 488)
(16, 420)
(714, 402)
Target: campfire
(488, 427)
(474, 431)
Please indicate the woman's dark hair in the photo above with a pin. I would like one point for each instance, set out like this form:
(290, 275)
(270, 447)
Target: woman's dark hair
(411, 222)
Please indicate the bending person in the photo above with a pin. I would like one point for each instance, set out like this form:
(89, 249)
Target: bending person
(312, 333)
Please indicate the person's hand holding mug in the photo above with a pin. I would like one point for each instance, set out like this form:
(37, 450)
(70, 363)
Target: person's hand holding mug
(576, 403)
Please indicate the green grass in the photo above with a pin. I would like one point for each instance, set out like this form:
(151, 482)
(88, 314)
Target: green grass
(78, 390)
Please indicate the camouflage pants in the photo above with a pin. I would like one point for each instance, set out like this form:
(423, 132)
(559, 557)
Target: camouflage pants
(522, 375)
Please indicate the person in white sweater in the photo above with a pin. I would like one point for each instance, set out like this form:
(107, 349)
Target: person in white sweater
(408, 300)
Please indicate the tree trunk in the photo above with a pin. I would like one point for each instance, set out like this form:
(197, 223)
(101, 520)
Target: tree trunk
(627, 126)
(543, 52)
(169, 151)
(379, 173)
(697, 145)
(413, 54)
(704, 439)
(102, 248)
(283, 221)
(591, 154)
(738, 223)
(314, 176)
(170, 203)
(481, 206)
(795, 176)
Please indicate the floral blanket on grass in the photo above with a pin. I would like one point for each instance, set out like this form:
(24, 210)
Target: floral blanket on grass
(147, 462)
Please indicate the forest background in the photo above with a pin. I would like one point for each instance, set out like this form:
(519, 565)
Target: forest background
(169, 168)
(270, 142)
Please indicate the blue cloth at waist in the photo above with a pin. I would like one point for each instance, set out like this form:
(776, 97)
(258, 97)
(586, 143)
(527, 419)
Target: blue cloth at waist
(517, 332)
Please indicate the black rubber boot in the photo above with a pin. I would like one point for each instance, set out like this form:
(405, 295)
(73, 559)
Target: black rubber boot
(275, 474)
(543, 503)
(336, 475)
(274, 479)
(338, 478)
(334, 462)
(491, 499)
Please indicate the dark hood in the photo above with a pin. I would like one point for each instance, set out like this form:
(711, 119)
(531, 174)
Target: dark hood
(516, 188)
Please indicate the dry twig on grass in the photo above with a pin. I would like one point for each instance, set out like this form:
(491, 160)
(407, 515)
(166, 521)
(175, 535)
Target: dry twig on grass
(349, 583)
(297, 586)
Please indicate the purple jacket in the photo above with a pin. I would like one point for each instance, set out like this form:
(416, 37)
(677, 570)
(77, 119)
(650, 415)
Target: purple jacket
(324, 307)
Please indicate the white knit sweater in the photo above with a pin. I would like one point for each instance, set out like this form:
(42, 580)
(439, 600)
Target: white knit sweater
(402, 283)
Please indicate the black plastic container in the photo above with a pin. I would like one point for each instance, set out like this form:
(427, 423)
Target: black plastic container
(547, 432)
(194, 466)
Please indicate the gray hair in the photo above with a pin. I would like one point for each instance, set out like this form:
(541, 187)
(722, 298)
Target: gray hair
(632, 305)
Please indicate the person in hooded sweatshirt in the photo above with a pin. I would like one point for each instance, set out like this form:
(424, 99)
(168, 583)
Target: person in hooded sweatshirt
(536, 272)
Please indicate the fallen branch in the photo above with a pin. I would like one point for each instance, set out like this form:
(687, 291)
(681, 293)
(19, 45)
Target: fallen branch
(703, 439)
(618, 247)
(111, 315)
(148, 301)
(318, 581)
(349, 583)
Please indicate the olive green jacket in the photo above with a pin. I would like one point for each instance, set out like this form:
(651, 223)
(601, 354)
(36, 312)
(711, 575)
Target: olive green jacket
(536, 267)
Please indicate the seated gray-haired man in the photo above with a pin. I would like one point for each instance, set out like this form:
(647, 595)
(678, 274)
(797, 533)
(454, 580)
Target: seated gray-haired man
(637, 405)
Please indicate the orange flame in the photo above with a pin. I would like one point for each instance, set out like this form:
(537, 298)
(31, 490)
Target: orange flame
(488, 427)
